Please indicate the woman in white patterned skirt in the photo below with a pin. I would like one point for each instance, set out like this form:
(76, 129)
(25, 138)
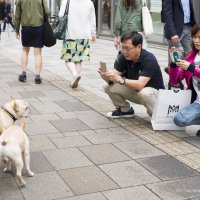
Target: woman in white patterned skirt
(81, 29)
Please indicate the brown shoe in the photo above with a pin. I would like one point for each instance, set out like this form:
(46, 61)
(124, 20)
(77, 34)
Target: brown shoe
(74, 83)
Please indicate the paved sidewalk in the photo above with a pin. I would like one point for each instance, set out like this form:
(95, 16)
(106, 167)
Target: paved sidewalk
(78, 154)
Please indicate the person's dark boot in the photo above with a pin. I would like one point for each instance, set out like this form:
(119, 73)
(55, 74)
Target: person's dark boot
(22, 78)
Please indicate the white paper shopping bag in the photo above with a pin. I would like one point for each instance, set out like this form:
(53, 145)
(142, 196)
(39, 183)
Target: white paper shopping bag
(168, 103)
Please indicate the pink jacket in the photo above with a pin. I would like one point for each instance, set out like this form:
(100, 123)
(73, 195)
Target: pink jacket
(176, 73)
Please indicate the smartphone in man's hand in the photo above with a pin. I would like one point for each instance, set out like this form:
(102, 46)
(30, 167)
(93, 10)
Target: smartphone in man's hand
(103, 67)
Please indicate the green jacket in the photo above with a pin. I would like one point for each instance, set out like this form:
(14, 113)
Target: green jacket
(126, 20)
(29, 13)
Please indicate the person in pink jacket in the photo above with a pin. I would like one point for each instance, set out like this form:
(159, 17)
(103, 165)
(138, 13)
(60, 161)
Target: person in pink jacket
(189, 69)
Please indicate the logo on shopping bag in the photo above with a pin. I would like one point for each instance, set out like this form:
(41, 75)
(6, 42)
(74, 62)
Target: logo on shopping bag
(172, 109)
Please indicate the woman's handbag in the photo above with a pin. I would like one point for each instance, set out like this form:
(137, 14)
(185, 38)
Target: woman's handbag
(60, 31)
(146, 19)
(48, 36)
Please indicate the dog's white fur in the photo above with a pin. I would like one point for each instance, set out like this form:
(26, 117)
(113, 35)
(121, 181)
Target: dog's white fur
(14, 142)
(17, 108)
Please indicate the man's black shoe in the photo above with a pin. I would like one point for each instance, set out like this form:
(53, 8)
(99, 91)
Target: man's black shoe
(166, 69)
(22, 78)
(38, 81)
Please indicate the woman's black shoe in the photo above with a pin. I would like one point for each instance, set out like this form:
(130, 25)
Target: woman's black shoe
(38, 81)
(22, 78)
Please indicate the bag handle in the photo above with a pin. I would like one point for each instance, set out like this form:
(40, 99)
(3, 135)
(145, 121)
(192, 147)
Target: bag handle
(67, 8)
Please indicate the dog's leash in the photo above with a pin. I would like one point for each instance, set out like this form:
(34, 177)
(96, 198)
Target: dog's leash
(10, 114)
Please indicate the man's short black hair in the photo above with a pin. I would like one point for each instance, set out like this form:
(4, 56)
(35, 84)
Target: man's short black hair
(134, 36)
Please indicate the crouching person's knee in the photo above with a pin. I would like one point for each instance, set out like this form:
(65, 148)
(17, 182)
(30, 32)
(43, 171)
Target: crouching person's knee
(180, 120)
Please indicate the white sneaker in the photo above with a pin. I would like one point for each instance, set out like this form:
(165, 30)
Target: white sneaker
(74, 83)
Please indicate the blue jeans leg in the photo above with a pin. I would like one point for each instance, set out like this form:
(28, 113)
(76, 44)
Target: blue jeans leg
(190, 115)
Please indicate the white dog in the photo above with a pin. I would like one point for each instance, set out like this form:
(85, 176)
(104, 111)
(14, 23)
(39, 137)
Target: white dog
(14, 142)
(12, 111)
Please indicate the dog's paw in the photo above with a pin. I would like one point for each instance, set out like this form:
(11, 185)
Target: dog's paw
(20, 181)
(30, 173)
(6, 170)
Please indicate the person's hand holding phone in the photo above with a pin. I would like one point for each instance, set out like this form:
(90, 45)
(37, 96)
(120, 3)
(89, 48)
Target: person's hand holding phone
(183, 63)
(102, 70)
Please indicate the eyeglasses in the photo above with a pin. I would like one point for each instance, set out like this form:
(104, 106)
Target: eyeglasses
(121, 48)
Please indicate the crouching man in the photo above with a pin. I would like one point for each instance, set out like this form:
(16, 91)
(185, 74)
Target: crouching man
(137, 77)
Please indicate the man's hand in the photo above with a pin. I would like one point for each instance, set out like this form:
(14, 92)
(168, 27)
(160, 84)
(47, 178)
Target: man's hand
(18, 35)
(175, 39)
(183, 63)
(102, 74)
(112, 76)
(93, 38)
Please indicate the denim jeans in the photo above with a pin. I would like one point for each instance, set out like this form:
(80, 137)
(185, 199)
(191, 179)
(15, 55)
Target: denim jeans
(190, 115)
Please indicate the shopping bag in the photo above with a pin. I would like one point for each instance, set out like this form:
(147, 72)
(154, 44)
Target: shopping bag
(147, 22)
(167, 104)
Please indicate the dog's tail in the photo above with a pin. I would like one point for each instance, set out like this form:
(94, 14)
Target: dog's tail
(1, 128)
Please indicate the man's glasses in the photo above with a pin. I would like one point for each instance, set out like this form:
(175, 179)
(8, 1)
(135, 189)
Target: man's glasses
(121, 48)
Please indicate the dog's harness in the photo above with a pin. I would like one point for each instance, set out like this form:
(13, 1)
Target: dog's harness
(10, 114)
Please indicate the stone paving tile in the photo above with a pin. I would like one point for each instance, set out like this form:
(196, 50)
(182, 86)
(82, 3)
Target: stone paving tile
(186, 188)
(137, 193)
(178, 148)
(33, 110)
(65, 125)
(104, 153)
(72, 106)
(128, 173)
(87, 180)
(180, 134)
(44, 117)
(98, 122)
(2, 174)
(100, 136)
(67, 158)
(17, 83)
(70, 141)
(41, 145)
(138, 149)
(39, 128)
(167, 167)
(33, 93)
(39, 163)
(192, 160)
(9, 190)
(139, 129)
(193, 140)
(55, 135)
(36, 189)
(47, 107)
(94, 196)
(129, 121)
(159, 138)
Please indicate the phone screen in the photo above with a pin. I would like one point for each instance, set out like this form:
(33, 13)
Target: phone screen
(176, 56)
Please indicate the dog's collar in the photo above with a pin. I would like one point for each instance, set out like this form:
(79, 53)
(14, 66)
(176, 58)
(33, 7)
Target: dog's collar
(11, 115)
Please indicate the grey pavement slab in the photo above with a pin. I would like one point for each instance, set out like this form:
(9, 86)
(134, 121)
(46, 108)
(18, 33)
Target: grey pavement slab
(9, 190)
(128, 173)
(39, 128)
(36, 189)
(100, 136)
(2, 174)
(166, 167)
(65, 125)
(186, 188)
(72, 106)
(41, 145)
(29, 94)
(87, 180)
(44, 117)
(70, 141)
(104, 153)
(66, 158)
(94, 196)
(132, 193)
(47, 107)
(138, 149)
(193, 140)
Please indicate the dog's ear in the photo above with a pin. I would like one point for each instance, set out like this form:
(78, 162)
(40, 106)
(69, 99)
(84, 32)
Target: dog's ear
(15, 106)
(23, 126)
(12, 98)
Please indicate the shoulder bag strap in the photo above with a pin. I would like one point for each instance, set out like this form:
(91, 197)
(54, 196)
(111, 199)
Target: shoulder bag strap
(45, 17)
